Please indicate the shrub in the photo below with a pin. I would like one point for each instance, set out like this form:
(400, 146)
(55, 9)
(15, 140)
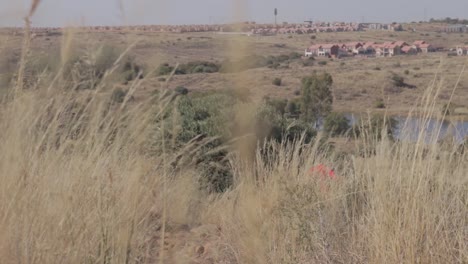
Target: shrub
(393, 89)
(336, 124)
(407, 72)
(295, 55)
(298, 129)
(279, 45)
(374, 127)
(308, 62)
(377, 68)
(105, 60)
(85, 71)
(291, 109)
(398, 80)
(206, 116)
(165, 69)
(448, 108)
(277, 81)
(181, 90)
(279, 105)
(322, 63)
(243, 64)
(271, 125)
(282, 58)
(313, 37)
(379, 103)
(118, 95)
(316, 97)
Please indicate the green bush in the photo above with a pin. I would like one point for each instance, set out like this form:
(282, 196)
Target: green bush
(279, 105)
(198, 67)
(277, 81)
(308, 62)
(243, 64)
(282, 58)
(336, 124)
(118, 95)
(374, 127)
(292, 108)
(85, 71)
(379, 103)
(208, 116)
(322, 63)
(272, 125)
(316, 97)
(181, 90)
(131, 70)
(295, 55)
(164, 69)
(398, 80)
(106, 58)
(298, 129)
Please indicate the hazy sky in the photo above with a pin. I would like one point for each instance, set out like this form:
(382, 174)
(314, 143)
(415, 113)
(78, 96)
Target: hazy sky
(108, 12)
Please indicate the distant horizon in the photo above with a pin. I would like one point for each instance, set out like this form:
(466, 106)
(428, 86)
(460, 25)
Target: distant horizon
(62, 13)
(227, 23)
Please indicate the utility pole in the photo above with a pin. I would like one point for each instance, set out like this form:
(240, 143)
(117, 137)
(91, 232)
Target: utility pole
(276, 14)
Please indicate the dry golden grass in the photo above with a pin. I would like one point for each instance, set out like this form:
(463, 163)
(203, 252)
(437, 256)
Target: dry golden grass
(79, 186)
(82, 182)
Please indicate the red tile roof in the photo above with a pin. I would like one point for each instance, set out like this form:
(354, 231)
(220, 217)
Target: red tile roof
(425, 46)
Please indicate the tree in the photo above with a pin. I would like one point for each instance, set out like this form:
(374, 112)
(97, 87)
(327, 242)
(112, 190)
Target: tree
(336, 124)
(316, 97)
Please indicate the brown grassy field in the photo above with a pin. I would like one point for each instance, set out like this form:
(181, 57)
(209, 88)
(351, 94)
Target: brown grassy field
(85, 179)
(358, 82)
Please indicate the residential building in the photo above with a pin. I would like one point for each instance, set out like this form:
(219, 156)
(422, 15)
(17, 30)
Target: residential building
(410, 50)
(459, 28)
(426, 48)
(328, 50)
(353, 47)
(462, 51)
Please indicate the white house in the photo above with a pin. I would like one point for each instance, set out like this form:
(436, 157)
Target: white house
(462, 51)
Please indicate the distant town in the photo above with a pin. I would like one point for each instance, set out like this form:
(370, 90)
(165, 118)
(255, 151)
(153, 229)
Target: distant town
(336, 50)
(373, 49)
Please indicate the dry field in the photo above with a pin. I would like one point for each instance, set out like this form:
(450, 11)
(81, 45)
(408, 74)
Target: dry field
(85, 178)
(358, 82)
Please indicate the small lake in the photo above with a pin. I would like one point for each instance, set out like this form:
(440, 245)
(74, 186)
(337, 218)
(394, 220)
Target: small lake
(409, 128)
